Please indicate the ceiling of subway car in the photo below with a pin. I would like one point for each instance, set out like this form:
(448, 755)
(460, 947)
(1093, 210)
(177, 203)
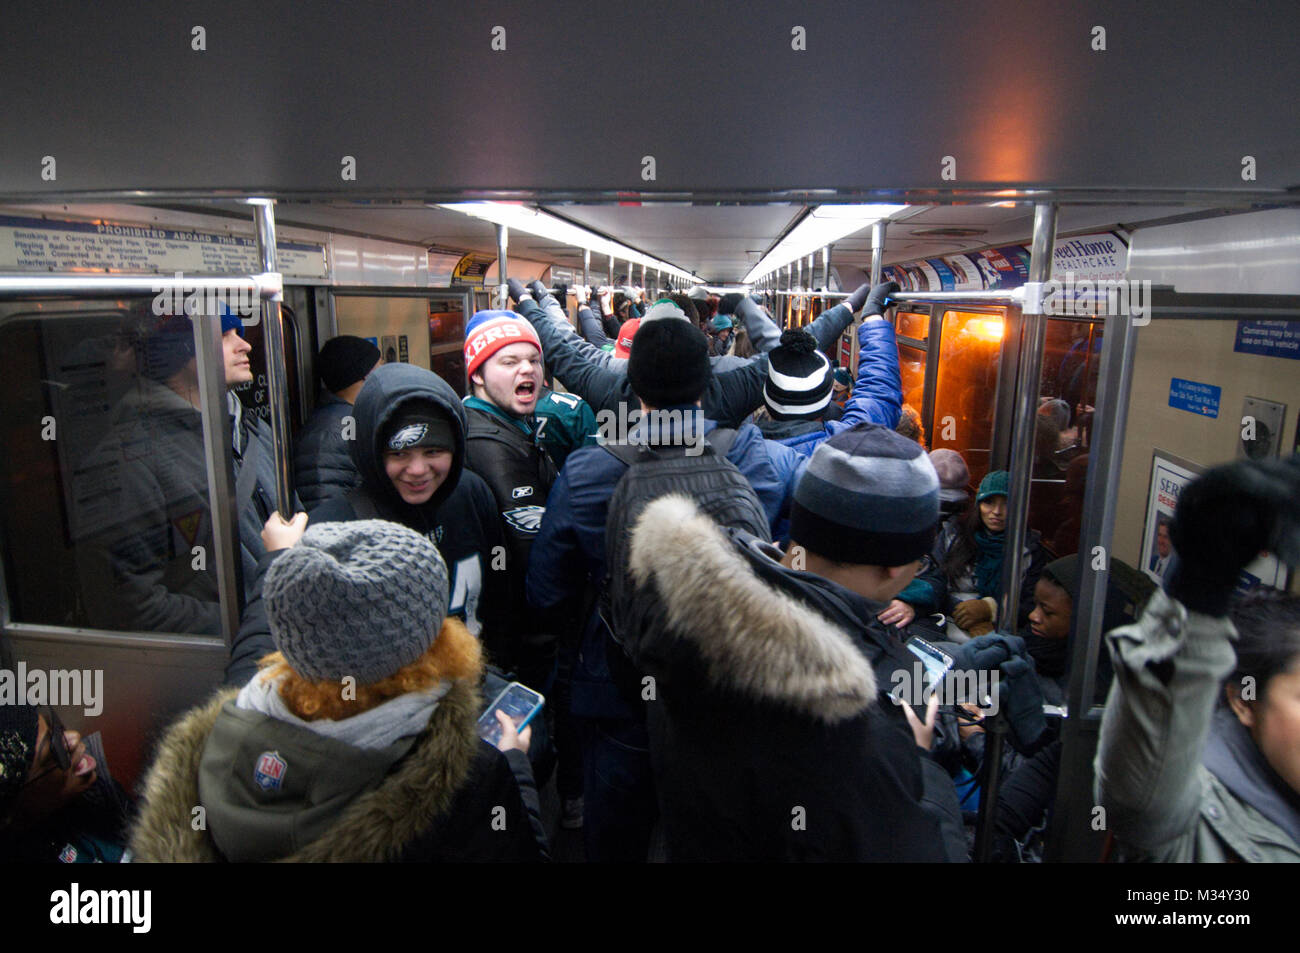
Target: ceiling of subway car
(719, 243)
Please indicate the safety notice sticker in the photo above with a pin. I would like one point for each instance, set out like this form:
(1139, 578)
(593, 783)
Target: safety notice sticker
(1192, 396)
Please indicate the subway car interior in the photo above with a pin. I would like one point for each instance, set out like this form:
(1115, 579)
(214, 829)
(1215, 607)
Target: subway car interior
(983, 366)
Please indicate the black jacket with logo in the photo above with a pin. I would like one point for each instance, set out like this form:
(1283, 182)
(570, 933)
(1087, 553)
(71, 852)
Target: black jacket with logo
(520, 474)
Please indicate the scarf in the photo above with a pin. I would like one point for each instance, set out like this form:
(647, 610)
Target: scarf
(1232, 756)
(988, 564)
(377, 728)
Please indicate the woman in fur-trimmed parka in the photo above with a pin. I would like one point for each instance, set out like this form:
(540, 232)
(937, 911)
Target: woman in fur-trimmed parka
(357, 740)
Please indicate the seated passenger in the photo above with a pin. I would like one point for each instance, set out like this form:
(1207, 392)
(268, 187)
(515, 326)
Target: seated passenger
(771, 729)
(321, 463)
(924, 595)
(1180, 778)
(357, 740)
(972, 563)
(54, 808)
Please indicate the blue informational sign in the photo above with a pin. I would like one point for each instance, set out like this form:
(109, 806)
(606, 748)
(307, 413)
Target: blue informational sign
(1201, 399)
(1269, 338)
(947, 280)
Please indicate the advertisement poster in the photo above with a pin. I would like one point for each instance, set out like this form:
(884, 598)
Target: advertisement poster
(1169, 475)
(965, 272)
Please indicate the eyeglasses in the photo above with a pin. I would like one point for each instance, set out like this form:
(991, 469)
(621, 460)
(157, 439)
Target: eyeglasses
(61, 751)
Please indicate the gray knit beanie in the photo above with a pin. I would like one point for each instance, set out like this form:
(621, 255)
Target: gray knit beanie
(362, 599)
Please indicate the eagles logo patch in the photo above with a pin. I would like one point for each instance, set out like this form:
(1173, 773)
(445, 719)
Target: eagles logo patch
(526, 519)
(408, 436)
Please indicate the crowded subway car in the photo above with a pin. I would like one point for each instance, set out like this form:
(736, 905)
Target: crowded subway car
(559, 521)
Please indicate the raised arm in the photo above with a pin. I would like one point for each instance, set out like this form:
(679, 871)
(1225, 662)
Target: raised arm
(1170, 665)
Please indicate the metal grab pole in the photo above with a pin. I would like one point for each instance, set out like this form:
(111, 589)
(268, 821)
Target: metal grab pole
(611, 273)
(1032, 335)
(276, 377)
(877, 251)
(586, 265)
(503, 239)
(826, 276)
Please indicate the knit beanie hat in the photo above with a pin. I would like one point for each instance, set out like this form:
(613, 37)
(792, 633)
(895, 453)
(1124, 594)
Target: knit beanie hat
(869, 497)
(418, 422)
(799, 378)
(664, 308)
(954, 475)
(490, 331)
(362, 598)
(670, 363)
(698, 293)
(344, 360)
(722, 322)
(623, 344)
(171, 344)
(995, 484)
(18, 731)
(842, 376)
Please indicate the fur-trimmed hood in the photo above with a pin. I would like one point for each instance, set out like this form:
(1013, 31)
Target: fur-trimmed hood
(752, 637)
(376, 826)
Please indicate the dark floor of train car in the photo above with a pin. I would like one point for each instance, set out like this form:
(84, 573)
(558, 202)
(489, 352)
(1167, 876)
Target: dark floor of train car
(567, 846)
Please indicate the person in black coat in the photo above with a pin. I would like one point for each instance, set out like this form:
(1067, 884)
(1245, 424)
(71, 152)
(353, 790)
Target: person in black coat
(773, 733)
(322, 466)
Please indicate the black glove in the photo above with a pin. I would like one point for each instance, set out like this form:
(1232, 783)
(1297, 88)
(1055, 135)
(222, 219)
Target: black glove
(856, 300)
(729, 301)
(561, 292)
(875, 302)
(516, 289)
(1223, 520)
(538, 290)
(1020, 699)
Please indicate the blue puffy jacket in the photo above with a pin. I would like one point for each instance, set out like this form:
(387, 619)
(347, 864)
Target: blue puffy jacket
(877, 394)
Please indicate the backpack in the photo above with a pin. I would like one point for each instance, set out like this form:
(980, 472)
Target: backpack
(718, 489)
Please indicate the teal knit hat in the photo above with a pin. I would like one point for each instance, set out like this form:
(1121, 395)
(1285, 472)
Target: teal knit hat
(995, 484)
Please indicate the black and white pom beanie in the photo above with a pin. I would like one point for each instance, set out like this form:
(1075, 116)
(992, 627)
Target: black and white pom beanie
(799, 378)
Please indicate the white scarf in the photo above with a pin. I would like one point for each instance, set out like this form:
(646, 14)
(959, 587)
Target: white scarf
(377, 728)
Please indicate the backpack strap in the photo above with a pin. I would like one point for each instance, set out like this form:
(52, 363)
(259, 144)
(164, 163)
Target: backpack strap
(624, 453)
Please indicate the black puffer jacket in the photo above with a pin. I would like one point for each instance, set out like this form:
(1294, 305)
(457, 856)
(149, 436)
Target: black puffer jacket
(322, 465)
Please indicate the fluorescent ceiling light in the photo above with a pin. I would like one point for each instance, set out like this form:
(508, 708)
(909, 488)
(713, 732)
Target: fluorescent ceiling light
(535, 222)
(824, 226)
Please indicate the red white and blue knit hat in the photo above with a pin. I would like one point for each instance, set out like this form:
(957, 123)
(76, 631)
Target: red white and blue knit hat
(490, 331)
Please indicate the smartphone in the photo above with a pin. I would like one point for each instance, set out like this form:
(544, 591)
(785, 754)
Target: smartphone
(936, 661)
(518, 701)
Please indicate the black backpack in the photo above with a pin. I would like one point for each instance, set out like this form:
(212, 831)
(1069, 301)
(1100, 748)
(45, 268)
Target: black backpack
(719, 490)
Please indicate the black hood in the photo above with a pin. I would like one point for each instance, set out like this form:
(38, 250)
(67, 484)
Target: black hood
(386, 389)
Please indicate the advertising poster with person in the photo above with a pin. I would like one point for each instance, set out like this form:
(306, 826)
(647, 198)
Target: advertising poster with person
(1169, 474)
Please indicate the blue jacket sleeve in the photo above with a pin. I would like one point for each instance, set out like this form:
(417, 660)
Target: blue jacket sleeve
(878, 393)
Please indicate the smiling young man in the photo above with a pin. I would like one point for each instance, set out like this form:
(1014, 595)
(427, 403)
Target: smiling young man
(503, 360)
(410, 452)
